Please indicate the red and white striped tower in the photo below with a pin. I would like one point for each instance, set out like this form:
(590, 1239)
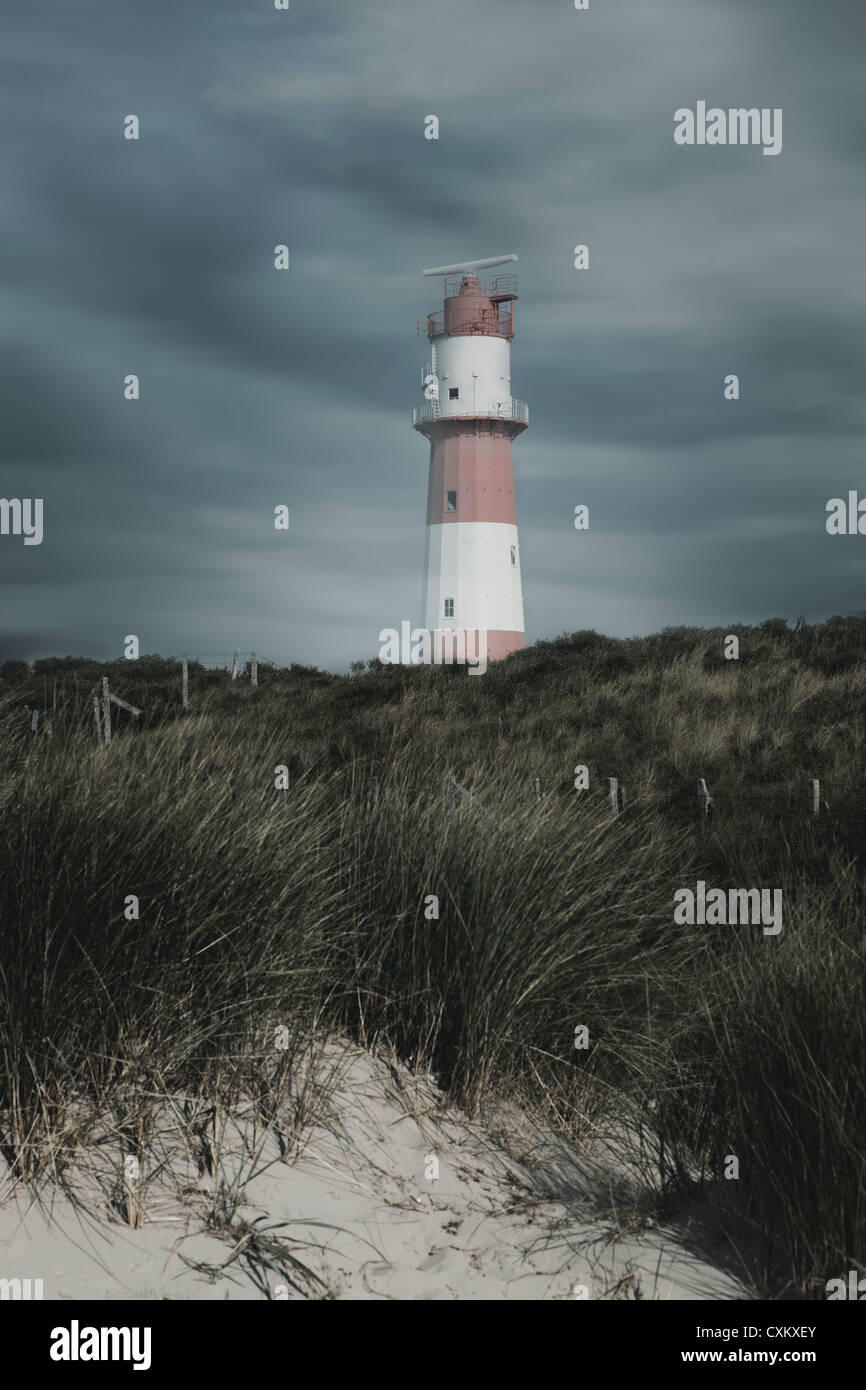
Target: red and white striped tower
(472, 555)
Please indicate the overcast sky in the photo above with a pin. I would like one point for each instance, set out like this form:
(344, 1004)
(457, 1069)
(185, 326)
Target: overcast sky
(261, 387)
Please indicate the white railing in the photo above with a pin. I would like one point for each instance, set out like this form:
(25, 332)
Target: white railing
(511, 409)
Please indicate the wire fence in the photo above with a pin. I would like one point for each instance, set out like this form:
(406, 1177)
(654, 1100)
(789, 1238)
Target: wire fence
(809, 797)
(223, 661)
(805, 796)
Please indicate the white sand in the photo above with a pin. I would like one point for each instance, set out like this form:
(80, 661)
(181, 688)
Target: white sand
(489, 1227)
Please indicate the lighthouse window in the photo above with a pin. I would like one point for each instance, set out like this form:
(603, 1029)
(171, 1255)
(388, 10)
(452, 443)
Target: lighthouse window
(449, 608)
(451, 501)
(514, 555)
(453, 393)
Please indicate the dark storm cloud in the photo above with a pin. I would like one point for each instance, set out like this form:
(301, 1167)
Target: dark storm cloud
(259, 388)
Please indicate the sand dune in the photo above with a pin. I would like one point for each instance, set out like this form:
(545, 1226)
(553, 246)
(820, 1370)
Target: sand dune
(357, 1213)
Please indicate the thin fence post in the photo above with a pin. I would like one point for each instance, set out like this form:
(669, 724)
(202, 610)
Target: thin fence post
(132, 1194)
(814, 786)
(184, 667)
(106, 710)
(235, 665)
(536, 787)
(613, 794)
(705, 801)
(34, 720)
(254, 669)
(97, 720)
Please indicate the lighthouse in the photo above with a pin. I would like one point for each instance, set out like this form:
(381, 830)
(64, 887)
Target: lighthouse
(472, 555)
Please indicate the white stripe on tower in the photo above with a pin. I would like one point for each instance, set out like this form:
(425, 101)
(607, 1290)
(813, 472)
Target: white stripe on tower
(472, 555)
(471, 563)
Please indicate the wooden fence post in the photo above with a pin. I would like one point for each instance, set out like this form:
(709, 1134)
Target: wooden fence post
(814, 786)
(124, 704)
(97, 719)
(254, 669)
(106, 711)
(184, 666)
(235, 665)
(613, 794)
(536, 787)
(705, 801)
(34, 720)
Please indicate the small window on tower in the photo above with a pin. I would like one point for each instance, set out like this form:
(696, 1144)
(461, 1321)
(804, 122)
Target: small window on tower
(453, 393)
(449, 608)
(514, 555)
(451, 501)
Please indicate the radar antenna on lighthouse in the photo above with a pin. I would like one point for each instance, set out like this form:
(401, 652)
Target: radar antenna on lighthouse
(469, 266)
(472, 556)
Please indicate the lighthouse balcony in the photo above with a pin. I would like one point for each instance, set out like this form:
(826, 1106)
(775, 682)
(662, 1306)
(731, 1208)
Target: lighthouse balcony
(494, 320)
(510, 409)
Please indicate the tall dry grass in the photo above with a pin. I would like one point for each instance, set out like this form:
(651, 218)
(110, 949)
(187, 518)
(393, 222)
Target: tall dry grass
(310, 908)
